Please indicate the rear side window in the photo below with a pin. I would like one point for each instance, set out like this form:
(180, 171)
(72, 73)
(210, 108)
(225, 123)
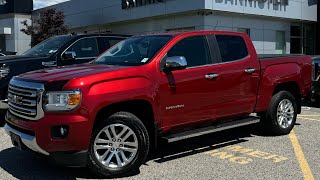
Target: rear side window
(107, 42)
(232, 48)
(85, 48)
(194, 49)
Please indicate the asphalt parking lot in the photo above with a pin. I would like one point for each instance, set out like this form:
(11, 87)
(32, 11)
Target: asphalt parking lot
(235, 154)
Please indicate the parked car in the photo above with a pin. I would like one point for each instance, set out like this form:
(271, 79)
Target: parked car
(56, 51)
(7, 53)
(315, 92)
(109, 113)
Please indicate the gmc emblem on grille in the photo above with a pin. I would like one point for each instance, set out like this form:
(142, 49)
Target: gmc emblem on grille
(15, 99)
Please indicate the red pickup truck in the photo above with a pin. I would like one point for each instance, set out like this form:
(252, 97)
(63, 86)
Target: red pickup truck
(109, 113)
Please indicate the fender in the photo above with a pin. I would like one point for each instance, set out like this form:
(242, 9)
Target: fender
(274, 75)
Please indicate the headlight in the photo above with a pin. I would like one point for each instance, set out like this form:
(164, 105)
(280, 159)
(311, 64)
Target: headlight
(61, 100)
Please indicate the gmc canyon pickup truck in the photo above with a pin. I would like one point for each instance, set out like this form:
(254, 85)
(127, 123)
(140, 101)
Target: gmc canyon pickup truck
(56, 51)
(109, 113)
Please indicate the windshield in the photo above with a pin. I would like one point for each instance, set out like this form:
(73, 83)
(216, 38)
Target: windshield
(48, 47)
(133, 51)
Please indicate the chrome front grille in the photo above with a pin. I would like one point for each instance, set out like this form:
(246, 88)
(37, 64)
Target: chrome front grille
(25, 99)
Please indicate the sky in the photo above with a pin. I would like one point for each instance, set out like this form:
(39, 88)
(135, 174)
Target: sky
(44, 3)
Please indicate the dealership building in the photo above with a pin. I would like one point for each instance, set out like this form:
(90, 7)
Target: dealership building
(12, 13)
(275, 26)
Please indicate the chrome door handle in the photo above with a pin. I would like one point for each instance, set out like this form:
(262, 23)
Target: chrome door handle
(212, 76)
(250, 70)
(49, 64)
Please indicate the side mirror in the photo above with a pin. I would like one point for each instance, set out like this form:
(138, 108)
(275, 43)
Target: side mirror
(175, 63)
(69, 56)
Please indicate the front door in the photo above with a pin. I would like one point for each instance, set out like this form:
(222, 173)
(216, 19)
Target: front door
(185, 94)
(85, 49)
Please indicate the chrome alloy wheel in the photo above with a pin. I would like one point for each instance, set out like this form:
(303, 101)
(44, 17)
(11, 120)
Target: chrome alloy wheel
(115, 146)
(285, 113)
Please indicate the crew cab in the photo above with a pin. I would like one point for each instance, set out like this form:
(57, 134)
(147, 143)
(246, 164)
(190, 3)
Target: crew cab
(56, 51)
(109, 113)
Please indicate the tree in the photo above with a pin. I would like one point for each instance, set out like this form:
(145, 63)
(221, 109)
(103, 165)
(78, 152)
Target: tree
(48, 23)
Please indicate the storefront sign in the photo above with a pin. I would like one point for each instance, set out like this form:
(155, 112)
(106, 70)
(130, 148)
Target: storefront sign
(275, 2)
(126, 4)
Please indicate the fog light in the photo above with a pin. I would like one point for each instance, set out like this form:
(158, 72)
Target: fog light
(59, 132)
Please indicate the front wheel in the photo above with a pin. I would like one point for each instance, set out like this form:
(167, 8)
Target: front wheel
(281, 115)
(119, 145)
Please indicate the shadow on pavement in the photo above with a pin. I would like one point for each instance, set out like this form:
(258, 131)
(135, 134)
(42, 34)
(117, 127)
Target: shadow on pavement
(308, 103)
(25, 165)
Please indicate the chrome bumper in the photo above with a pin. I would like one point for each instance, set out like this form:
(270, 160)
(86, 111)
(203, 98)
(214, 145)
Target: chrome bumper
(4, 104)
(27, 140)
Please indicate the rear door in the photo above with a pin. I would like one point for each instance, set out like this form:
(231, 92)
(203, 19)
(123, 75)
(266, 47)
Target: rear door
(234, 90)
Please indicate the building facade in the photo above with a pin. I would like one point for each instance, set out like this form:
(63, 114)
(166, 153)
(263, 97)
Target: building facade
(12, 13)
(275, 26)
(318, 34)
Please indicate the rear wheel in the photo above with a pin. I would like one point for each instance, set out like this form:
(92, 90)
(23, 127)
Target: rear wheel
(281, 115)
(119, 145)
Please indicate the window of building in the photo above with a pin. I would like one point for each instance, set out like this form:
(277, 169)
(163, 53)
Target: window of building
(244, 30)
(302, 38)
(280, 42)
(232, 48)
(85, 48)
(194, 49)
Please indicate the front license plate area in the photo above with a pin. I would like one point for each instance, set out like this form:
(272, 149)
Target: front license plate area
(16, 141)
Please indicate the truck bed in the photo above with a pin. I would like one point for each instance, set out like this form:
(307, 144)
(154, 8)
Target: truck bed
(276, 56)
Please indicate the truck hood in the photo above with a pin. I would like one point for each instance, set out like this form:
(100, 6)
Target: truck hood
(69, 72)
(8, 59)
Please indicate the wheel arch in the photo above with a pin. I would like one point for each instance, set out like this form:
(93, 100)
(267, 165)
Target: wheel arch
(293, 88)
(143, 109)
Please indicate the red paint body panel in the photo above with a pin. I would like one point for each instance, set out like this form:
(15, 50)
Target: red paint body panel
(234, 93)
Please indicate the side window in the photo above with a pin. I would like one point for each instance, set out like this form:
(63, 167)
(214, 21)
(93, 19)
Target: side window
(194, 49)
(107, 42)
(85, 48)
(232, 48)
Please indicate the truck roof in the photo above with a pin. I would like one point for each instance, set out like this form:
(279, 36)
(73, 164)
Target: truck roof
(175, 33)
(96, 34)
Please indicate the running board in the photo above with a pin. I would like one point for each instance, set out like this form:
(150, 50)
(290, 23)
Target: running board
(211, 129)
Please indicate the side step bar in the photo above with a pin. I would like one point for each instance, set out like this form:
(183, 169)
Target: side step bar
(211, 129)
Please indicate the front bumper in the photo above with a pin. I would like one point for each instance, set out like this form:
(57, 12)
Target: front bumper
(38, 136)
(27, 140)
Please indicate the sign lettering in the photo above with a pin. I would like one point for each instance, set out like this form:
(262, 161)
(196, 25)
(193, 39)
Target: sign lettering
(126, 4)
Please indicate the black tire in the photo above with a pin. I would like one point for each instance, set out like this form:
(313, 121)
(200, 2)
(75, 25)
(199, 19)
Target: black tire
(135, 124)
(270, 122)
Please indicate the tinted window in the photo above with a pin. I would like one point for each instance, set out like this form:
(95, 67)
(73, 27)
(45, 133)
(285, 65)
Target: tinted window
(85, 48)
(194, 49)
(49, 46)
(232, 48)
(134, 51)
(108, 42)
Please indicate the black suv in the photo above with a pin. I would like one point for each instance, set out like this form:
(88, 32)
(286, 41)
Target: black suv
(56, 51)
